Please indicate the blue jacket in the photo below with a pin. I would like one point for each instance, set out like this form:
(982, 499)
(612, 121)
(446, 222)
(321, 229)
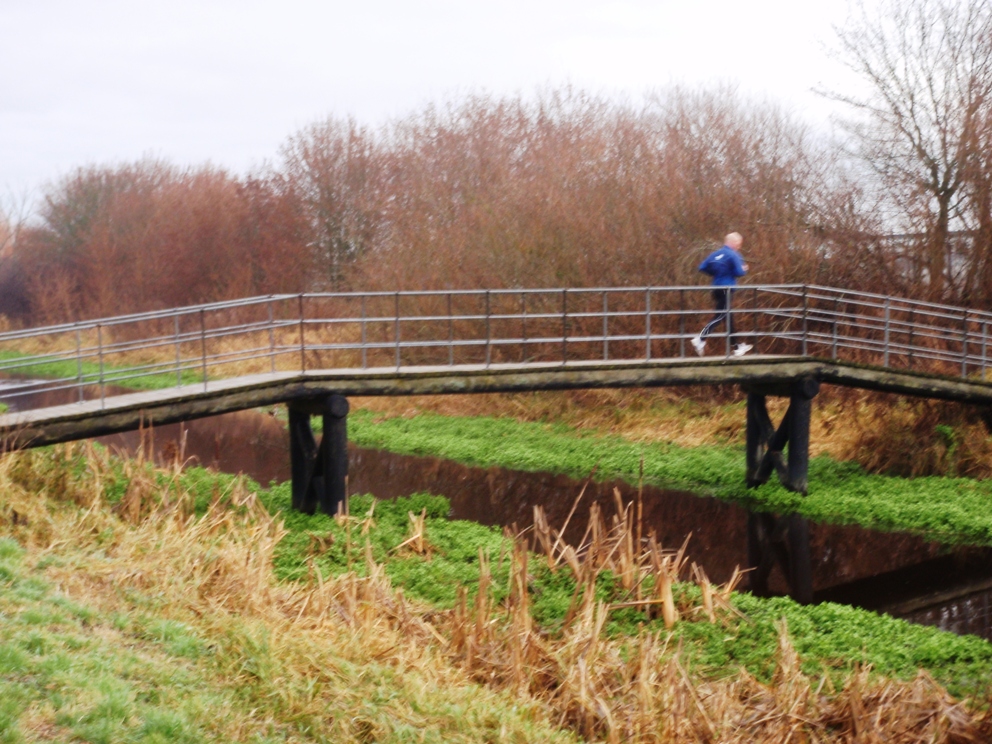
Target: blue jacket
(724, 265)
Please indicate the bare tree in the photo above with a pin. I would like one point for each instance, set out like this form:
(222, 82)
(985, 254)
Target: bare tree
(14, 211)
(924, 125)
(332, 165)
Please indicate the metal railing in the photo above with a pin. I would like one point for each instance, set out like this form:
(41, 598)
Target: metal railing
(201, 344)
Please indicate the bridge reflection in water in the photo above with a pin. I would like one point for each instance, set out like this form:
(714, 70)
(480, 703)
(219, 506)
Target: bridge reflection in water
(312, 351)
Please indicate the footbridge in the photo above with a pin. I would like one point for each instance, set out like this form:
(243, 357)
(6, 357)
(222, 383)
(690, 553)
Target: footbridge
(314, 351)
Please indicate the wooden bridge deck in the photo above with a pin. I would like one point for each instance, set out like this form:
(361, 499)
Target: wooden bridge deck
(126, 412)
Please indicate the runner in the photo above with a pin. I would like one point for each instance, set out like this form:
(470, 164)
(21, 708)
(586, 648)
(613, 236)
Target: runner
(725, 266)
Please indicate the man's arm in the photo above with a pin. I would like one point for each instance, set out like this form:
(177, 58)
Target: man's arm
(740, 268)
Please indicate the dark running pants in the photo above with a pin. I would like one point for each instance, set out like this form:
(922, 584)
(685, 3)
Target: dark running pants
(721, 299)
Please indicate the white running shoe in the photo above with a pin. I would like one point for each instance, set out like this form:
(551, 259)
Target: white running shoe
(742, 349)
(699, 345)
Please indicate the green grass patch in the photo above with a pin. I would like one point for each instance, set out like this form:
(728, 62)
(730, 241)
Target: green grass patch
(949, 510)
(129, 675)
(91, 374)
(828, 637)
(64, 663)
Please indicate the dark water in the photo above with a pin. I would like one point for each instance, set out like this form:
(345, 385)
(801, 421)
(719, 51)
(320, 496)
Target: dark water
(969, 614)
(899, 573)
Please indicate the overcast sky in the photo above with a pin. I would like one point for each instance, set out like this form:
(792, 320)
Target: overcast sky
(95, 81)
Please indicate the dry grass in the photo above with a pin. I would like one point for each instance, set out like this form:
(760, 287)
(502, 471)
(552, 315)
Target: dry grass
(301, 655)
(311, 661)
(688, 418)
(638, 689)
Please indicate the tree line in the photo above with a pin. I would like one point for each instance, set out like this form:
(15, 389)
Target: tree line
(563, 188)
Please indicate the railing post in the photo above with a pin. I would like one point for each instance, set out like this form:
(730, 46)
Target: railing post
(647, 324)
(179, 356)
(885, 350)
(365, 348)
(984, 345)
(523, 326)
(203, 345)
(912, 327)
(99, 348)
(79, 366)
(303, 355)
(451, 333)
(272, 337)
(396, 326)
(730, 321)
(564, 326)
(754, 315)
(489, 330)
(833, 343)
(606, 328)
(964, 343)
(805, 320)
(682, 323)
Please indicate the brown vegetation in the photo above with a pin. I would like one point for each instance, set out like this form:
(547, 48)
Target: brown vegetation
(566, 190)
(148, 236)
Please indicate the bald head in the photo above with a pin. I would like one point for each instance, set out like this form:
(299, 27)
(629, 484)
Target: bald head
(735, 240)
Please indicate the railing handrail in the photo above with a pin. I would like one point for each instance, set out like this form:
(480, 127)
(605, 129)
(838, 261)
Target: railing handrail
(882, 329)
(92, 323)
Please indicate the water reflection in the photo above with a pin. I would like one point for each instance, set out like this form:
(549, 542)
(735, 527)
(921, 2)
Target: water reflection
(969, 614)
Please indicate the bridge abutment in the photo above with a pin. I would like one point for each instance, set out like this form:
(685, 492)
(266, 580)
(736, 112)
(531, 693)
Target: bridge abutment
(772, 538)
(319, 469)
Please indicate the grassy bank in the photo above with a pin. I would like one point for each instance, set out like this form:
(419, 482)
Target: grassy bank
(951, 510)
(171, 605)
(140, 606)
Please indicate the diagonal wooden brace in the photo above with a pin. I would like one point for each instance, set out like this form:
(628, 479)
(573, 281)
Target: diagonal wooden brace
(765, 445)
(764, 442)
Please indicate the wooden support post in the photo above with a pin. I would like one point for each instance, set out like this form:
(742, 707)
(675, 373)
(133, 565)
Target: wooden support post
(759, 432)
(320, 471)
(755, 437)
(772, 538)
(800, 409)
(334, 451)
(302, 457)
